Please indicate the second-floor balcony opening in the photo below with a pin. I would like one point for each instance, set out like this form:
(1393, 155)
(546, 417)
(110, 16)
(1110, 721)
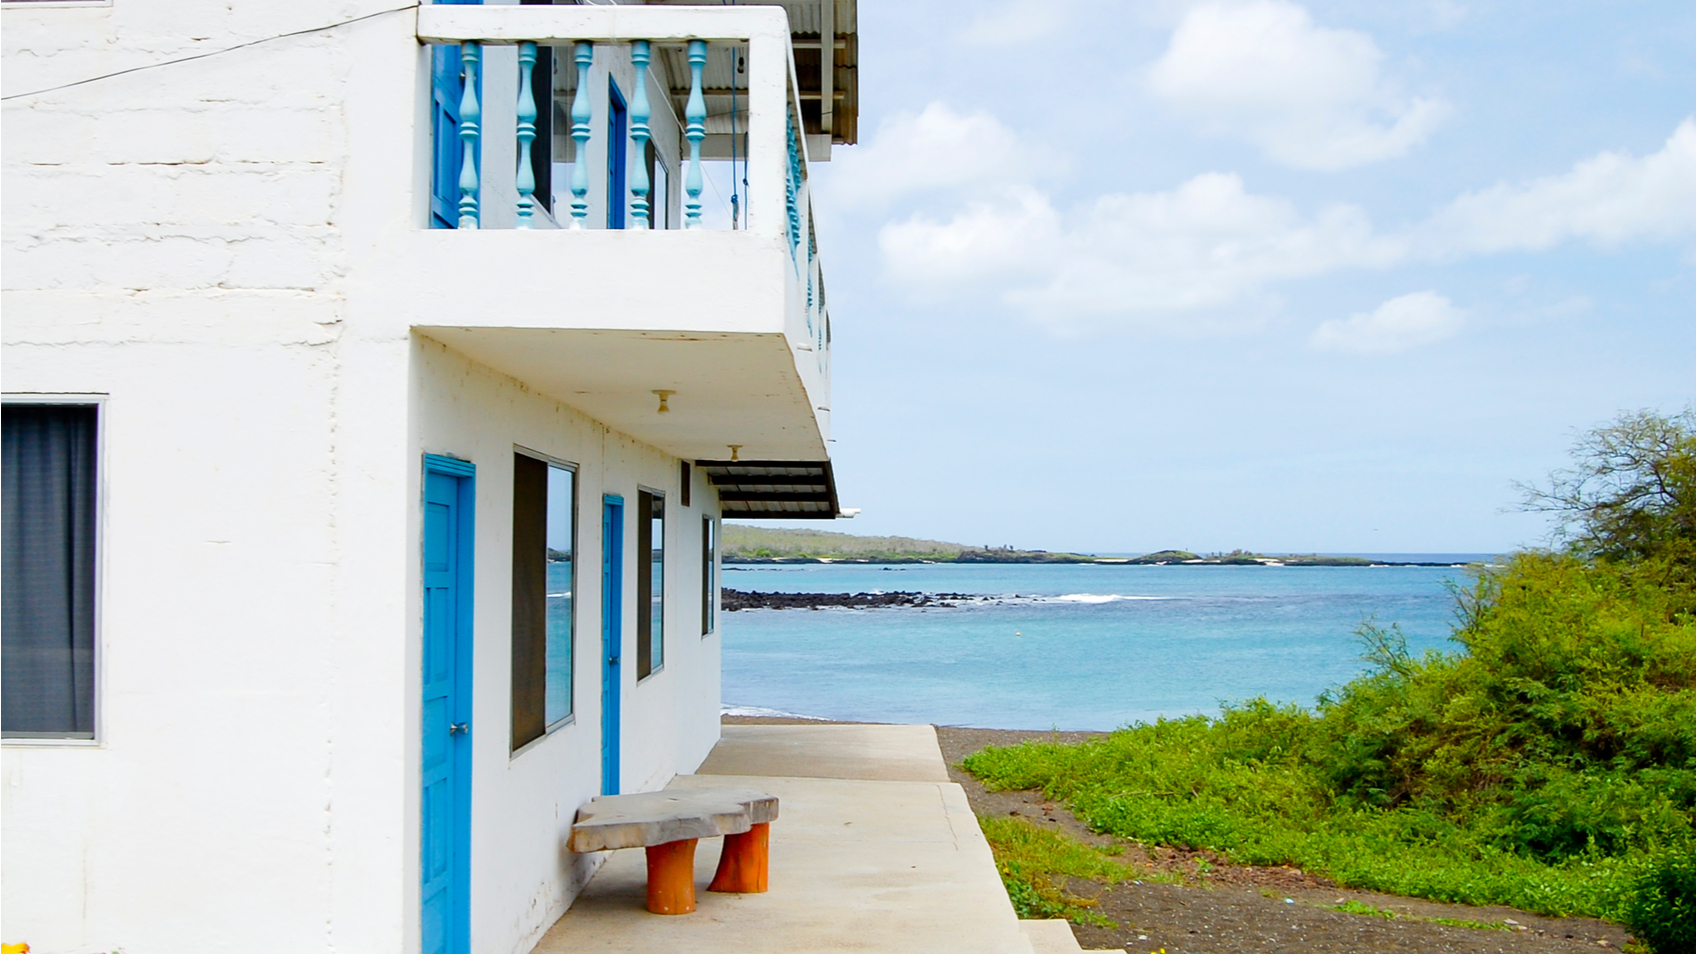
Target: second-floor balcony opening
(642, 120)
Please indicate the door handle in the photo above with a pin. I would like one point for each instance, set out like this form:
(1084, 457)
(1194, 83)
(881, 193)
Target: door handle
(454, 727)
(612, 660)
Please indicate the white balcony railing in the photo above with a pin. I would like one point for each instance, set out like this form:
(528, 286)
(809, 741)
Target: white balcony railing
(695, 57)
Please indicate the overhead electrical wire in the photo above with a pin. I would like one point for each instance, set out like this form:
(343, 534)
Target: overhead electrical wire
(202, 56)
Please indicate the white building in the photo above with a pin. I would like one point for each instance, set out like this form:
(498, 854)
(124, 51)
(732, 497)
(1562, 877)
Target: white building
(347, 551)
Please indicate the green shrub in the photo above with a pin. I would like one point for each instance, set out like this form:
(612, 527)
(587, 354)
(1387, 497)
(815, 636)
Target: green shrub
(1662, 909)
(1539, 768)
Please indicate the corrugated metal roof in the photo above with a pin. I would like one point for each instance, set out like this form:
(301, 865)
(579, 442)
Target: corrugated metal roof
(754, 489)
(806, 23)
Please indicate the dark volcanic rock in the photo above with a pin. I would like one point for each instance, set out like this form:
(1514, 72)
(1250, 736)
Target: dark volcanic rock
(733, 600)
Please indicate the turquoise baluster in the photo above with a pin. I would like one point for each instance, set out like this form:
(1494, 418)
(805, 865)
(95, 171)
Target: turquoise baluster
(695, 115)
(526, 133)
(580, 116)
(639, 112)
(470, 115)
(793, 187)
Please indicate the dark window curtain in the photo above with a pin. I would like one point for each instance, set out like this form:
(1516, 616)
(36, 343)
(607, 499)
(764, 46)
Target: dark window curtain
(47, 590)
(529, 599)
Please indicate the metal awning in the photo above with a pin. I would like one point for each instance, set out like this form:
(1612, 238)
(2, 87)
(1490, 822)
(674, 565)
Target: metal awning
(773, 489)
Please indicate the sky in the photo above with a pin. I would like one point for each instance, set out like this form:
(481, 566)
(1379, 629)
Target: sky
(1291, 277)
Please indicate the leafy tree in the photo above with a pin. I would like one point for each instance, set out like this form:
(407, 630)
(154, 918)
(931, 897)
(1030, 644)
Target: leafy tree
(1630, 498)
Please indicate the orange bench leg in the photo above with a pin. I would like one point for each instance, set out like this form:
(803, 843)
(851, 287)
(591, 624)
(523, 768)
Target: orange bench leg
(745, 864)
(671, 877)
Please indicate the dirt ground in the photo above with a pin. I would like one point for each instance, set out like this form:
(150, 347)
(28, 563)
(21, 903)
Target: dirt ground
(1239, 909)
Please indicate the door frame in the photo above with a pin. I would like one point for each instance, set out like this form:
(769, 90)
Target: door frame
(612, 638)
(464, 475)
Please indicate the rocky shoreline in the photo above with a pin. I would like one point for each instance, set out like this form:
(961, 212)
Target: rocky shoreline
(732, 600)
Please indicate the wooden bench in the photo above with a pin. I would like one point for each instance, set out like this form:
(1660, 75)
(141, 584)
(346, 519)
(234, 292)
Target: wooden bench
(669, 823)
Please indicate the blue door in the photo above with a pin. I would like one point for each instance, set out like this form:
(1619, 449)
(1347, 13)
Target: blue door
(612, 635)
(618, 141)
(447, 87)
(444, 844)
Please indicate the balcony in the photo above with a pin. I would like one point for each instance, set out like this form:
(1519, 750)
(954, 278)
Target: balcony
(591, 269)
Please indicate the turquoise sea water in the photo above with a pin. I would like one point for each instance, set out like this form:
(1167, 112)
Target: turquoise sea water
(1068, 647)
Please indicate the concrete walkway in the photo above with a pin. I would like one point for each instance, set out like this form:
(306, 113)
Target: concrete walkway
(873, 850)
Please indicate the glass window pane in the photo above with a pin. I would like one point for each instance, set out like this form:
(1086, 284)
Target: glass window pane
(561, 542)
(709, 557)
(656, 577)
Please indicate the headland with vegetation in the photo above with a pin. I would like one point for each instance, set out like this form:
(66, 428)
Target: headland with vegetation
(746, 544)
(1548, 762)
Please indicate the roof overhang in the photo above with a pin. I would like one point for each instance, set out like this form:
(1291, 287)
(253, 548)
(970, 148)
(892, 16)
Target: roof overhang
(825, 37)
(774, 489)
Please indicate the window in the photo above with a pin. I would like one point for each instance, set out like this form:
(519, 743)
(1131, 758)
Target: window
(544, 537)
(660, 194)
(650, 583)
(709, 579)
(47, 594)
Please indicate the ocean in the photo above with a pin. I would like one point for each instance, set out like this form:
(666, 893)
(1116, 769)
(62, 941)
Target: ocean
(1087, 646)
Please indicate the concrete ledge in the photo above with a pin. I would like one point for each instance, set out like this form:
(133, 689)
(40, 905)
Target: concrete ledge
(1054, 936)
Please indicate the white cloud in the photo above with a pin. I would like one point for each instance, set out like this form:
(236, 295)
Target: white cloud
(1311, 97)
(1016, 236)
(1205, 243)
(1608, 199)
(937, 148)
(1397, 325)
(1197, 254)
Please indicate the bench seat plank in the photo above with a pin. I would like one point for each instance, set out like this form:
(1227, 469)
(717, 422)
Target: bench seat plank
(657, 818)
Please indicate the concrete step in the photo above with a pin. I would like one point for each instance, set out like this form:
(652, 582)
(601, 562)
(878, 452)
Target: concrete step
(1054, 936)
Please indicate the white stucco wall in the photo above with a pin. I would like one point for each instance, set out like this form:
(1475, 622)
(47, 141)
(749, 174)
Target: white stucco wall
(172, 241)
(201, 244)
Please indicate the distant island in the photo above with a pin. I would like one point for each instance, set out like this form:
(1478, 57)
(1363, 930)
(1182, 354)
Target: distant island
(743, 543)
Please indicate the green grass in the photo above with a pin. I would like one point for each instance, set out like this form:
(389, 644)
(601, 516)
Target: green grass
(1356, 906)
(1035, 862)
